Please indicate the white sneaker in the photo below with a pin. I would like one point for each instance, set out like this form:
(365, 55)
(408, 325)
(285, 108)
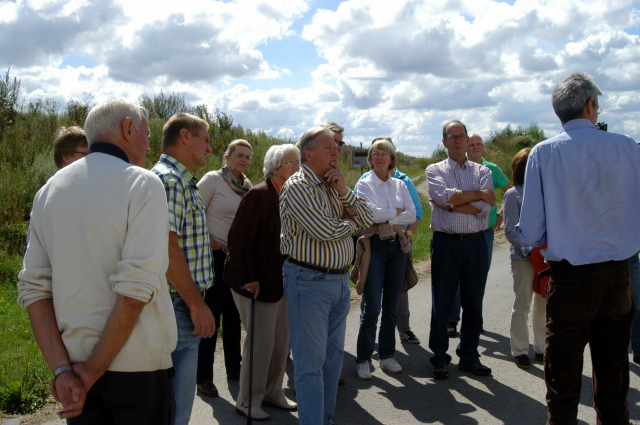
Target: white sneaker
(390, 365)
(364, 372)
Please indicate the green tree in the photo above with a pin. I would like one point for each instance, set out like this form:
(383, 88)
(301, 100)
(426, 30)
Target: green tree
(9, 95)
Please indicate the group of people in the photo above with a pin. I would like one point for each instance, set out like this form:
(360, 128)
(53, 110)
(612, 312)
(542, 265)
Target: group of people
(128, 271)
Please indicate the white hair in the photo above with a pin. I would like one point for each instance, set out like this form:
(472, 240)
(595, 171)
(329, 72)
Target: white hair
(104, 121)
(308, 139)
(273, 158)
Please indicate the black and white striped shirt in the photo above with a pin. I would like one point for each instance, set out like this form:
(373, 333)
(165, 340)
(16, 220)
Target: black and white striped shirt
(313, 230)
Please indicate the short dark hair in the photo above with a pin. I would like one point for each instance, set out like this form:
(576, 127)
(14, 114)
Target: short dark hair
(448, 124)
(67, 140)
(519, 165)
(177, 122)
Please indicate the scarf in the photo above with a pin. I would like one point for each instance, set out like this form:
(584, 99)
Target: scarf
(234, 184)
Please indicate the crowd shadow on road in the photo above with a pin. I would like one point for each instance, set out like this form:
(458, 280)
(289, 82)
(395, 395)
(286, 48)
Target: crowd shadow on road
(431, 401)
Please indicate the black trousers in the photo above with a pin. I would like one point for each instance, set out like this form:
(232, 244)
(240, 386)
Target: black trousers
(136, 398)
(220, 301)
(589, 304)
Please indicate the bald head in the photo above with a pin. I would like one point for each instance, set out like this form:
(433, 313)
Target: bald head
(475, 148)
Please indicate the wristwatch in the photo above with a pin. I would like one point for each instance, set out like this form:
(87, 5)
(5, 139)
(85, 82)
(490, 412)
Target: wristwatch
(501, 214)
(61, 369)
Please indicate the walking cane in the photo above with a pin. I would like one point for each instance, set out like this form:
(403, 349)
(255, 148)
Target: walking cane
(253, 316)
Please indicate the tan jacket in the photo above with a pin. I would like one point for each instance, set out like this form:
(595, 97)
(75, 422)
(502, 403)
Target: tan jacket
(363, 254)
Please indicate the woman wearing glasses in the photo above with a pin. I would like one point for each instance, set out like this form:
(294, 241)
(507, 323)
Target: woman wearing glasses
(221, 192)
(254, 270)
(393, 210)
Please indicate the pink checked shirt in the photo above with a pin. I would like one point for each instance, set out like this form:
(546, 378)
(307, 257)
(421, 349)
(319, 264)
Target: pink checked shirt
(444, 179)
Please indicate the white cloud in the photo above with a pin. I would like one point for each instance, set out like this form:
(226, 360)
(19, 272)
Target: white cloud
(386, 68)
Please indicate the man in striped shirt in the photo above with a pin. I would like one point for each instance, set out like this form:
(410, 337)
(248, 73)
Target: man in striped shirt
(318, 241)
(461, 197)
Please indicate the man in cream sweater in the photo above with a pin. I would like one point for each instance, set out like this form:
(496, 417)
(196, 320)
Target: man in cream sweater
(94, 281)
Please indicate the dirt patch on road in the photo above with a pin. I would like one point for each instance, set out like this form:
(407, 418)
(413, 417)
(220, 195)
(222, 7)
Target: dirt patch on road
(47, 413)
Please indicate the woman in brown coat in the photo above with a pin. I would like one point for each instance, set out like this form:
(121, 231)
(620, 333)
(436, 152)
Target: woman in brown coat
(254, 270)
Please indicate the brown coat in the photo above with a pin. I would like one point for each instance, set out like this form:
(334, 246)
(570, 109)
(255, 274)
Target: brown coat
(254, 244)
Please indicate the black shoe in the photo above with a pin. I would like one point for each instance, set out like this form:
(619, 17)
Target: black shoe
(207, 388)
(409, 337)
(476, 368)
(451, 330)
(636, 359)
(539, 357)
(440, 371)
(522, 361)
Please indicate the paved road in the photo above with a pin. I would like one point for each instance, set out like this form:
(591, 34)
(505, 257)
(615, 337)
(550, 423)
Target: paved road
(510, 396)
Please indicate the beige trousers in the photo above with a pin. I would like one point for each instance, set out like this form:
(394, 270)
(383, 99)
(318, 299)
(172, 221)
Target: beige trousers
(522, 271)
(271, 347)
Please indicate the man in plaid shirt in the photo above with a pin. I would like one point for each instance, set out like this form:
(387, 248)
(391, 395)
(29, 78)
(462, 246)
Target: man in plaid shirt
(185, 143)
(461, 196)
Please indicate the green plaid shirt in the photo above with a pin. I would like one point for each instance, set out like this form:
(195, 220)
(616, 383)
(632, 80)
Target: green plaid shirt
(187, 218)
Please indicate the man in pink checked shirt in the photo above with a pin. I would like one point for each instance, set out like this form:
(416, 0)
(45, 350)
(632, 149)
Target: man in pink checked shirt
(461, 197)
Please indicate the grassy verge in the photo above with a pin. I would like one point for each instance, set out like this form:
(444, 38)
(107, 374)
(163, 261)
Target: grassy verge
(24, 375)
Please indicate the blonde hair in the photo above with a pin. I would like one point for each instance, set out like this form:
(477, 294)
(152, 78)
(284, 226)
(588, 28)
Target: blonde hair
(232, 147)
(383, 145)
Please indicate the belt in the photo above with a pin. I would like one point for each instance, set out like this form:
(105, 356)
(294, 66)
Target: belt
(324, 270)
(461, 236)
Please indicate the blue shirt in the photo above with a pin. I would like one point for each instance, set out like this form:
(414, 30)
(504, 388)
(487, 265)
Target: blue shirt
(582, 196)
(415, 198)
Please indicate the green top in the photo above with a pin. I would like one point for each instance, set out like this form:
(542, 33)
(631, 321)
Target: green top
(499, 181)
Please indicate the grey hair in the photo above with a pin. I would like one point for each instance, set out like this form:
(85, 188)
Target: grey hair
(572, 94)
(333, 127)
(308, 140)
(448, 124)
(104, 122)
(273, 158)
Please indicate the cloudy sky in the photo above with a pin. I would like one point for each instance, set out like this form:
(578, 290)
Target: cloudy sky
(378, 68)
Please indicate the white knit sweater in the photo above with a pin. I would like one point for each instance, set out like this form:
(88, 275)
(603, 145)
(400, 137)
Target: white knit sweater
(99, 228)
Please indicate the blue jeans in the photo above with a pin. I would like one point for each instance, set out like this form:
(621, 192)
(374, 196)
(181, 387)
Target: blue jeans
(382, 288)
(185, 361)
(455, 262)
(317, 305)
(634, 265)
(455, 311)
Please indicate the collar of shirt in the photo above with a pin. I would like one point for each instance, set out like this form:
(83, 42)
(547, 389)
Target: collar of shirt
(313, 178)
(109, 149)
(454, 165)
(577, 123)
(181, 169)
(378, 181)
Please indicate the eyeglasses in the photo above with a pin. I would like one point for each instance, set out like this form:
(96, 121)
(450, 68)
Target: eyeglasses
(339, 142)
(242, 156)
(595, 105)
(292, 162)
(459, 137)
(380, 154)
(82, 153)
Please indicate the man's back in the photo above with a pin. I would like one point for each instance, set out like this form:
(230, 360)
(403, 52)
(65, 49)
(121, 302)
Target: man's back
(95, 230)
(586, 196)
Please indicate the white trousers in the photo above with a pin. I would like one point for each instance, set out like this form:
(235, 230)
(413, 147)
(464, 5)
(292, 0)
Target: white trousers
(522, 271)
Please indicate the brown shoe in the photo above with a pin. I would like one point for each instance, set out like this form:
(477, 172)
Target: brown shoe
(207, 388)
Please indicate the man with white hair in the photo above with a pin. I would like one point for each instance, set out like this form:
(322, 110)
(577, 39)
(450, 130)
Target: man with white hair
(590, 225)
(99, 305)
(318, 243)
